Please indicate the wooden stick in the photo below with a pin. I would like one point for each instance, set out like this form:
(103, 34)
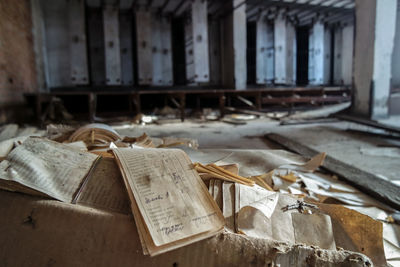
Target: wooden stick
(262, 183)
(201, 168)
(231, 174)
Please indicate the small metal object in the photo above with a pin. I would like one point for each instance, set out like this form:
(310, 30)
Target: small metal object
(300, 206)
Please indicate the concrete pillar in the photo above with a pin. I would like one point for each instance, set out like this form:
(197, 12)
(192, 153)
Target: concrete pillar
(347, 54)
(126, 42)
(215, 51)
(39, 45)
(270, 54)
(144, 46)
(316, 54)
(200, 41)
(374, 39)
(166, 46)
(161, 48)
(327, 55)
(337, 60)
(78, 49)
(111, 45)
(261, 48)
(196, 43)
(234, 44)
(284, 39)
(264, 50)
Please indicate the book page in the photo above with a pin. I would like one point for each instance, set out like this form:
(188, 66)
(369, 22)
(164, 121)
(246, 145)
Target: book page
(55, 169)
(105, 188)
(172, 199)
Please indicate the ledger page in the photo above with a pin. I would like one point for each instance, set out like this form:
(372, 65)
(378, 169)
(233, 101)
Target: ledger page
(170, 195)
(55, 169)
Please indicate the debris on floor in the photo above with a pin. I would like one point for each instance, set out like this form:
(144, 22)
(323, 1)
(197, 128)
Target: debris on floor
(259, 195)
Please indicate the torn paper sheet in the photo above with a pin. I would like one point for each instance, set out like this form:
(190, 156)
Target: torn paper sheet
(228, 205)
(253, 208)
(258, 198)
(310, 166)
(356, 232)
(54, 169)
(313, 230)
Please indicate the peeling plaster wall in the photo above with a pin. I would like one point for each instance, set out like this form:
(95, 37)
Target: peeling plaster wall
(17, 60)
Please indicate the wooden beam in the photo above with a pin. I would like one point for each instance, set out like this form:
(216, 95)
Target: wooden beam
(369, 183)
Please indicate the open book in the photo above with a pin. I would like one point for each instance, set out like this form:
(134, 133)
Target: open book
(46, 168)
(170, 203)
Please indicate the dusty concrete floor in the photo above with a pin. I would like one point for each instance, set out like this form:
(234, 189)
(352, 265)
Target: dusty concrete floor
(373, 154)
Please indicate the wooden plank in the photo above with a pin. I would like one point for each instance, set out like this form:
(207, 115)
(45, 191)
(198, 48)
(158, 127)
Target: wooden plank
(369, 183)
(112, 46)
(305, 99)
(369, 123)
(200, 41)
(144, 46)
(126, 36)
(77, 42)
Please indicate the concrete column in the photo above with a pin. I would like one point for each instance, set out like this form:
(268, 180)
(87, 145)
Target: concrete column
(200, 41)
(374, 40)
(261, 48)
(125, 29)
(166, 46)
(316, 55)
(144, 46)
(347, 54)
(337, 60)
(161, 48)
(234, 44)
(39, 45)
(327, 55)
(111, 45)
(284, 39)
(78, 49)
(270, 53)
(215, 51)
